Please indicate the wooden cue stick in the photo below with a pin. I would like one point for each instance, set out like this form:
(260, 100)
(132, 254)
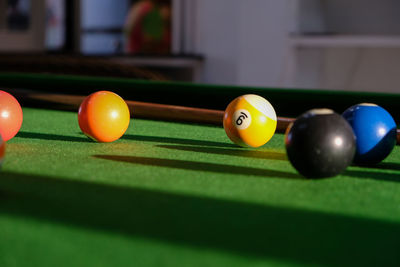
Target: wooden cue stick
(141, 109)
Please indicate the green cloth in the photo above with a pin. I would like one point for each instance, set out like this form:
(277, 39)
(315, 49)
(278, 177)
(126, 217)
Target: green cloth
(173, 194)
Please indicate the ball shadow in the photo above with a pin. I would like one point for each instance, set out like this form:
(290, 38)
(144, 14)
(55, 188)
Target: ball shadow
(388, 166)
(200, 166)
(52, 137)
(248, 153)
(173, 140)
(382, 166)
(239, 228)
(380, 176)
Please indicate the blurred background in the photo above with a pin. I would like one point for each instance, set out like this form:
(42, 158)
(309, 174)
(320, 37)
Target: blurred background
(314, 44)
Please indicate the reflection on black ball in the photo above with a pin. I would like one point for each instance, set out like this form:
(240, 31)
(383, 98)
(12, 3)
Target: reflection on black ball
(320, 143)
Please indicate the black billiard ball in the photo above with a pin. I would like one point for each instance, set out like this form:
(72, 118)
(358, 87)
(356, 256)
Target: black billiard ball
(320, 143)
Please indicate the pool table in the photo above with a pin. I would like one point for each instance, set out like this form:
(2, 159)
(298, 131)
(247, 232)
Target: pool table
(179, 193)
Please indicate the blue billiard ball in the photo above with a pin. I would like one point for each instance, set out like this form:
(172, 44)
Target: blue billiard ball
(375, 132)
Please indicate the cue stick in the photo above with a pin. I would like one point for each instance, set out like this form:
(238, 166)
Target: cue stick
(139, 109)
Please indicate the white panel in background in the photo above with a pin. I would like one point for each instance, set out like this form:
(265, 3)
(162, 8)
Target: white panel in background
(217, 38)
(262, 34)
(362, 69)
(310, 16)
(177, 25)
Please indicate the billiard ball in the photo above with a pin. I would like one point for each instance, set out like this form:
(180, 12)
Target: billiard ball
(375, 132)
(103, 116)
(2, 150)
(10, 116)
(249, 121)
(320, 143)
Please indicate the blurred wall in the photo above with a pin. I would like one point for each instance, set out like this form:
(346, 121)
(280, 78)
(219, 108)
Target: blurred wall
(250, 43)
(243, 41)
(31, 38)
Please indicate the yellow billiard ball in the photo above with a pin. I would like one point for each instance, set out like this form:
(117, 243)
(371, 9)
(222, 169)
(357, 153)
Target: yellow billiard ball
(103, 116)
(250, 121)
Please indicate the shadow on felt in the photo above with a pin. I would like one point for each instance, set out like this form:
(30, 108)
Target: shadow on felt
(251, 230)
(376, 171)
(385, 166)
(248, 153)
(175, 140)
(200, 166)
(52, 137)
(376, 175)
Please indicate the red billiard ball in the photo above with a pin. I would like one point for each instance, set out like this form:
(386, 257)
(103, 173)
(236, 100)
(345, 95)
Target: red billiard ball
(2, 150)
(103, 116)
(10, 116)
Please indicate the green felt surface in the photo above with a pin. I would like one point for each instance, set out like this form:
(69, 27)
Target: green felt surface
(170, 194)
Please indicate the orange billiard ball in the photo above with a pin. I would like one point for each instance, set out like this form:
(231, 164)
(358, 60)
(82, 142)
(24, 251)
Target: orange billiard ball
(103, 116)
(10, 116)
